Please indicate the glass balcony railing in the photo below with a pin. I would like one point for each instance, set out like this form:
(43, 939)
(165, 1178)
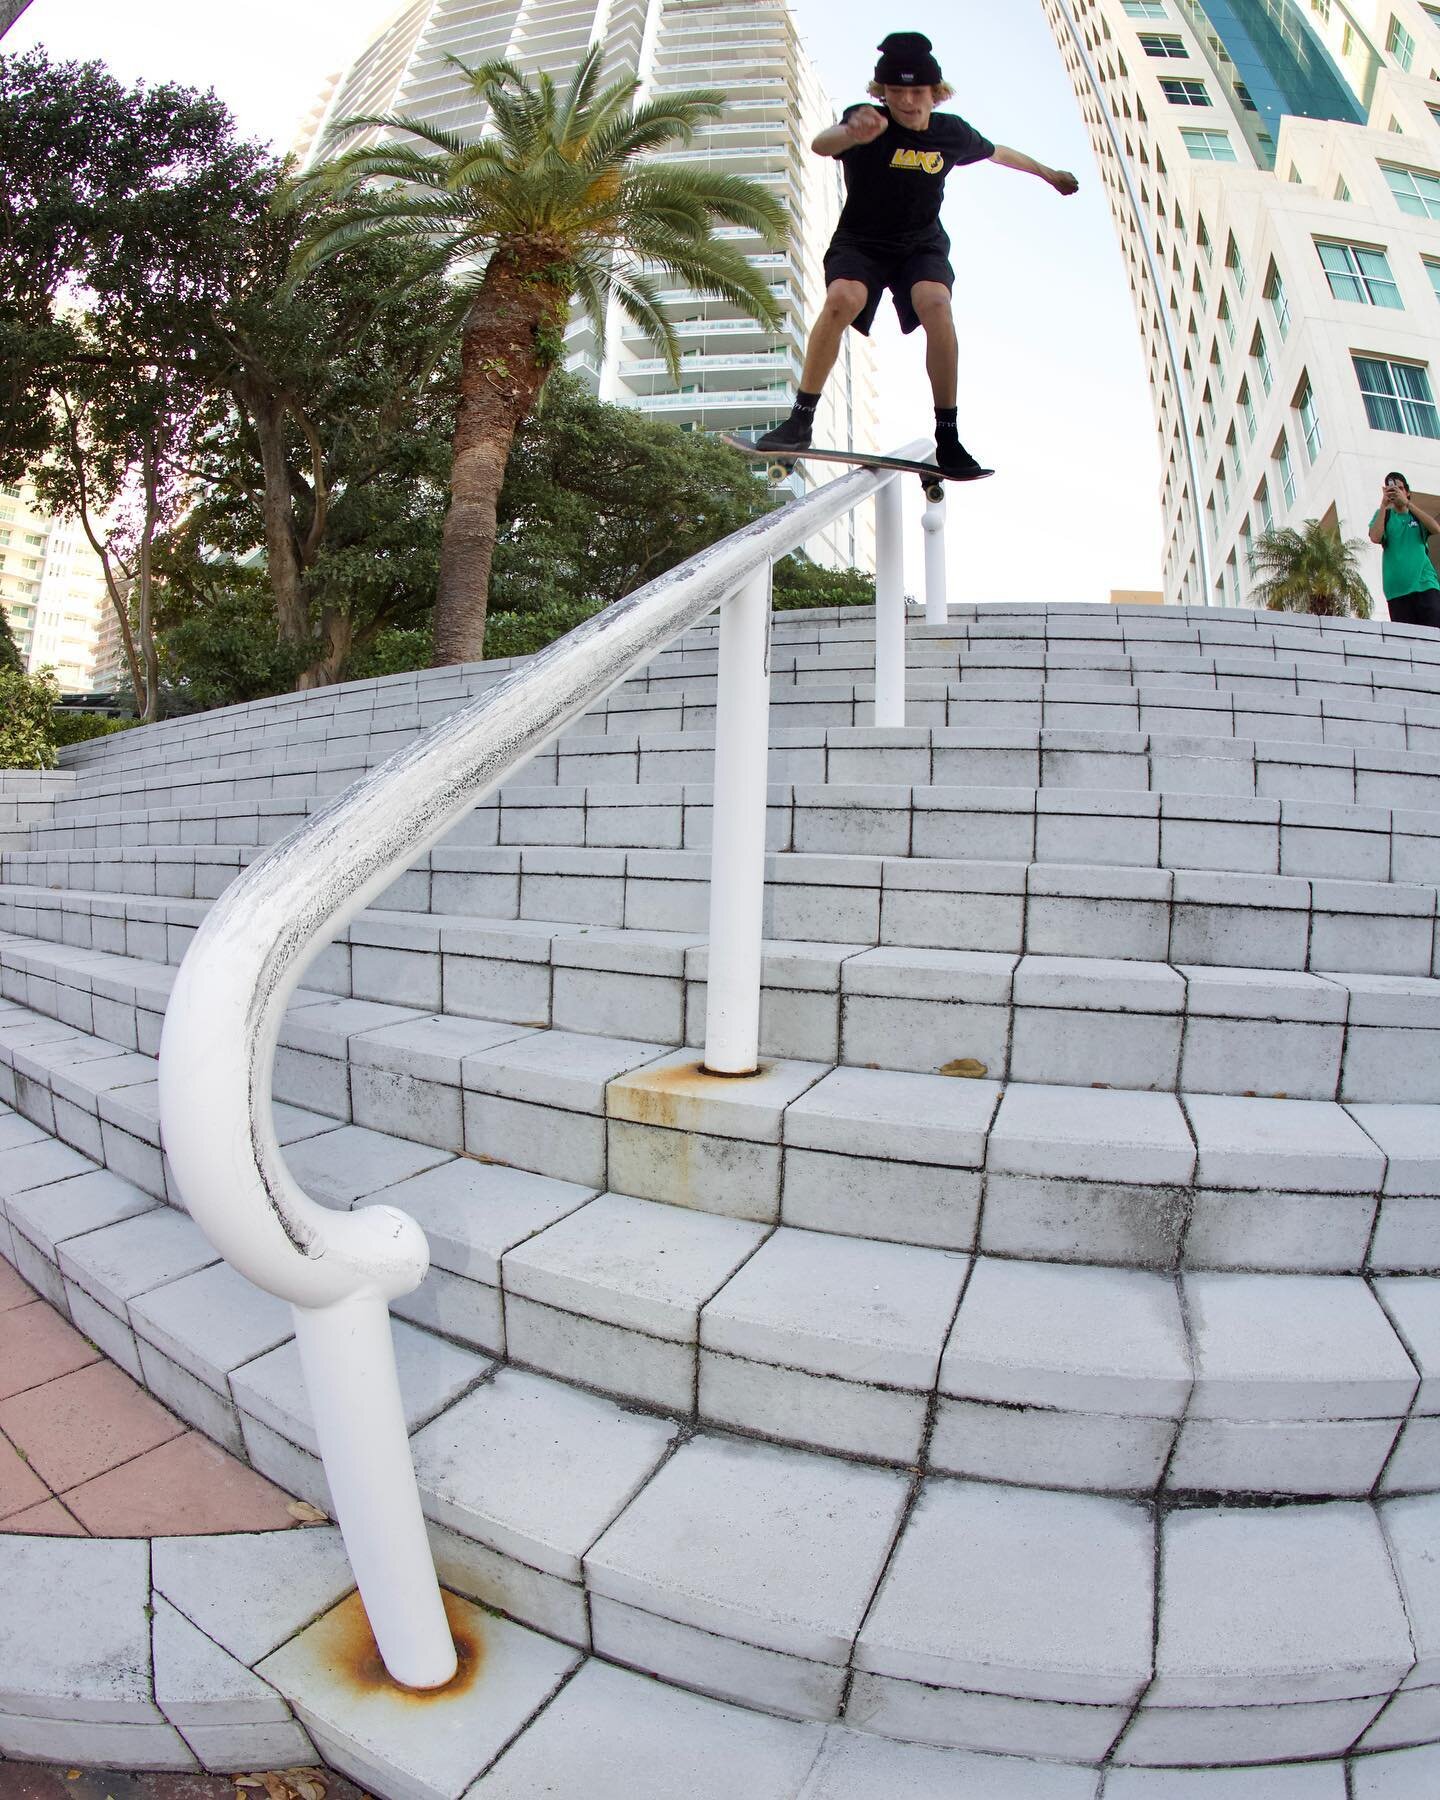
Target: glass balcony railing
(770, 400)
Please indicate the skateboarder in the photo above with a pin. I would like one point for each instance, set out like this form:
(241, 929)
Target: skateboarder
(896, 156)
(1412, 589)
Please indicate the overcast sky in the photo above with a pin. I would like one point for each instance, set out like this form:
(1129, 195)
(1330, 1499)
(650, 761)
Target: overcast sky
(1052, 385)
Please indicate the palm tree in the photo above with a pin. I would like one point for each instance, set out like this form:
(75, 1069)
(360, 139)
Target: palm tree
(554, 201)
(1313, 570)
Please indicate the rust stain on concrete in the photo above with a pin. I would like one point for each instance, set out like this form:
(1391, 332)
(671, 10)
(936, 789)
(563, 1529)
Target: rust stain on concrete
(658, 1096)
(354, 1661)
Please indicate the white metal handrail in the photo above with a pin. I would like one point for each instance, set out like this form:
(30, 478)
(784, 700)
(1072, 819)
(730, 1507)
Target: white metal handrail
(340, 1270)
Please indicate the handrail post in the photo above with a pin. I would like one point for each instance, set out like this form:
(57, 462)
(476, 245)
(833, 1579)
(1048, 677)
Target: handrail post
(347, 1356)
(889, 607)
(936, 608)
(737, 856)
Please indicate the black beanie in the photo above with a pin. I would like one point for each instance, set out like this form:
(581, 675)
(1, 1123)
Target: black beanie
(906, 61)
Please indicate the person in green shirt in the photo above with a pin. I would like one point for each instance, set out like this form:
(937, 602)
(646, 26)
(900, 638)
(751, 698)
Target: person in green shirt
(1412, 588)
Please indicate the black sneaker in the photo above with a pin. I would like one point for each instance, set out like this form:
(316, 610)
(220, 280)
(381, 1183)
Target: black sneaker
(790, 434)
(955, 461)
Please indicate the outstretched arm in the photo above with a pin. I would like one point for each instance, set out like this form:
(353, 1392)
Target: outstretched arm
(863, 126)
(1061, 180)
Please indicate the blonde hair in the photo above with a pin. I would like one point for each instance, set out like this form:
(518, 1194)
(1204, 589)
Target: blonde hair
(940, 92)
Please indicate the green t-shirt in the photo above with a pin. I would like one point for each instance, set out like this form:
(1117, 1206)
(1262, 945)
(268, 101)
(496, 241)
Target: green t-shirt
(1406, 567)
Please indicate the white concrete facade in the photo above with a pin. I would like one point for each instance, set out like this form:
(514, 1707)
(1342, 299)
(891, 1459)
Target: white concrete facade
(53, 590)
(736, 374)
(1275, 260)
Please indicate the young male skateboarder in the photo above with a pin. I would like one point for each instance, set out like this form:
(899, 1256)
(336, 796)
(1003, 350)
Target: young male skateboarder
(1412, 589)
(896, 156)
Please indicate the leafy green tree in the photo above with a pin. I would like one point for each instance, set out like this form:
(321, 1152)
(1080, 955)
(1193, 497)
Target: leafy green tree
(103, 188)
(599, 499)
(26, 702)
(557, 201)
(9, 650)
(129, 214)
(1312, 570)
(342, 389)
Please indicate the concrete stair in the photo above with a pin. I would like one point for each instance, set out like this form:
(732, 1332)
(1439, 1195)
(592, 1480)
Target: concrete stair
(1039, 1359)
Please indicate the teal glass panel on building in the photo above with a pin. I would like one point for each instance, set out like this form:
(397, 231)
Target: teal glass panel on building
(1267, 49)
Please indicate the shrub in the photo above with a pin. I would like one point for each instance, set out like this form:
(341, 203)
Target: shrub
(26, 703)
(69, 725)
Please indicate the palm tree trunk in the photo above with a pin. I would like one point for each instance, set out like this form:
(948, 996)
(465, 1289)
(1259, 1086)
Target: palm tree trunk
(502, 370)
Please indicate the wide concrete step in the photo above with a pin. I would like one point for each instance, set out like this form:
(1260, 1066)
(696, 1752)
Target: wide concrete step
(1343, 714)
(1046, 825)
(1064, 1376)
(1064, 909)
(1080, 1021)
(143, 804)
(1043, 1171)
(916, 1605)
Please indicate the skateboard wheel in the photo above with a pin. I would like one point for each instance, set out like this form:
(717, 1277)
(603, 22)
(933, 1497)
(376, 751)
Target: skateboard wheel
(934, 490)
(779, 471)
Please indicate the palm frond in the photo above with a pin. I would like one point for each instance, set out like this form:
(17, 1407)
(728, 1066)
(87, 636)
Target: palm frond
(449, 143)
(578, 96)
(731, 199)
(639, 298)
(592, 286)
(488, 153)
(480, 78)
(611, 103)
(653, 123)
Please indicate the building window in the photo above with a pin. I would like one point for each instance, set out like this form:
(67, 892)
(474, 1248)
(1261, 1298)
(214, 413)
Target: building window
(1342, 192)
(1432, 269)
(1279, 303)
(1416, 191)
(1162, 43)
(1226, 320)
(1242, 94)
(1309, 419)
(1202, 237)
(1260, 351)
(1400, 44)
(1262, 502)
(1234, 264)
(1347, 39)
(1209, 146)
(1247, 410)
(1356, 273)
(1143, 9)
(1286, 470)
(1397, 397)
(1322, 8)
(1184, 90)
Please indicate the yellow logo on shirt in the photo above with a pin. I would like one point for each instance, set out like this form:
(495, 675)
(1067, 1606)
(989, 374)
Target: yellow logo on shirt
(931, 161)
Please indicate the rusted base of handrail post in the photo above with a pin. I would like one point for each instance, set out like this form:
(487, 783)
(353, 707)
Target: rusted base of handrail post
(347, 1354)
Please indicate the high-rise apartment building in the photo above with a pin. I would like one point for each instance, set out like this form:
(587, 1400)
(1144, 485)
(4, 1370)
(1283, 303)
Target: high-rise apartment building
(53, 590)
(1273, 170)
(736, 375)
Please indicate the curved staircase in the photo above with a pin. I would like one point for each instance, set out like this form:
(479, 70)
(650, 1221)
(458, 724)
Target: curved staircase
(1039, 1359)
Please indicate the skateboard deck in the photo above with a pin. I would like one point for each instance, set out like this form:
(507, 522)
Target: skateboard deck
(781, 461)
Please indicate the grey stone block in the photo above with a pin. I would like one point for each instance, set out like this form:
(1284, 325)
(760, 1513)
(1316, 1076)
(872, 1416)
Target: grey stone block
(986, 1595)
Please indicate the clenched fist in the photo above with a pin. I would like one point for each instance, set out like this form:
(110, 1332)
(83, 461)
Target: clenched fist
(865, 124)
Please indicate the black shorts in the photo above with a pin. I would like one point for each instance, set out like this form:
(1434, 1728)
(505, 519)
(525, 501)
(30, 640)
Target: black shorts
(1422, 608)
(899, 273)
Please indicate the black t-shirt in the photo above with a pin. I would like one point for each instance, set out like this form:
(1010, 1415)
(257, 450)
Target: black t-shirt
(894, 185)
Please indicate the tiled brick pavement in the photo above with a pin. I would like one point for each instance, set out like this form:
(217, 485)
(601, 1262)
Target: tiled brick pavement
(84, 1451)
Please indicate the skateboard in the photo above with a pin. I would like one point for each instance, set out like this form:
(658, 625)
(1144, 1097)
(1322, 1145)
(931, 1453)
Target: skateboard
(782, 461)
